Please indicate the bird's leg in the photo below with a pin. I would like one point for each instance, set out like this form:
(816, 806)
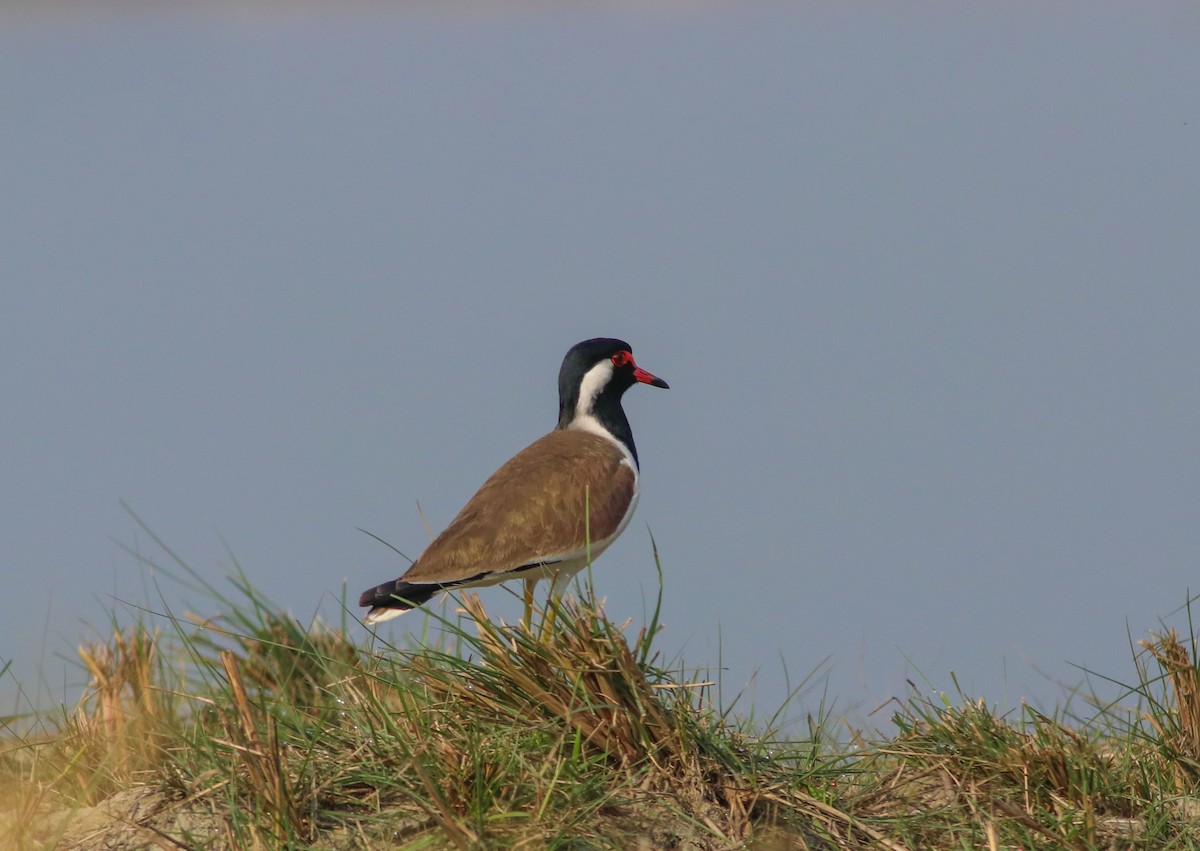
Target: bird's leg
(527, 619)
(552, 602)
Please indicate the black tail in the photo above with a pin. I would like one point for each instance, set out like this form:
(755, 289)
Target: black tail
(397, 595)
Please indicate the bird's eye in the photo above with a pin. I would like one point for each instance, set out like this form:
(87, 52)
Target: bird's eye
(622, 359)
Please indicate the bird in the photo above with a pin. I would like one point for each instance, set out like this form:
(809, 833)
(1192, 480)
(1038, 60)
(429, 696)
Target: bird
(552, 508)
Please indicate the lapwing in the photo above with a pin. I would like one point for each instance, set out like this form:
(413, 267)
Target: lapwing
(553, 507)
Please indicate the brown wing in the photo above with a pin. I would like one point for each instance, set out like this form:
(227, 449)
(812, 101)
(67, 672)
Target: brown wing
(533, 509)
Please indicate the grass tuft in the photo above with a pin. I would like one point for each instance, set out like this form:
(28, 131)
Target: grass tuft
(250, 730)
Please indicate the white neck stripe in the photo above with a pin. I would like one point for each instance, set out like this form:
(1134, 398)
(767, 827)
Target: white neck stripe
(593, 384)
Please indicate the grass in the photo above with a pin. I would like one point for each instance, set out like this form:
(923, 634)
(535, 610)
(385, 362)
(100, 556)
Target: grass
(249, 730)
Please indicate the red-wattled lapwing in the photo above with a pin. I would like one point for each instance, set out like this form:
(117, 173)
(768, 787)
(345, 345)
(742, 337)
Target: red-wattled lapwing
(551, 508)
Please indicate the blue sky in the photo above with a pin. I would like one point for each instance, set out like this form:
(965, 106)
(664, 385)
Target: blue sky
(923, 279)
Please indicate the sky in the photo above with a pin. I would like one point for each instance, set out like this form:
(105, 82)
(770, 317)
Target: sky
(923, 278)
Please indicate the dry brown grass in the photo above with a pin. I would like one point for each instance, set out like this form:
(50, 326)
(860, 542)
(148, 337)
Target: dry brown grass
(251, 731)
(1177, 721)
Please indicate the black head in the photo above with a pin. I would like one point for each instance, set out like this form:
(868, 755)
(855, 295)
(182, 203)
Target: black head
(594, 376)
